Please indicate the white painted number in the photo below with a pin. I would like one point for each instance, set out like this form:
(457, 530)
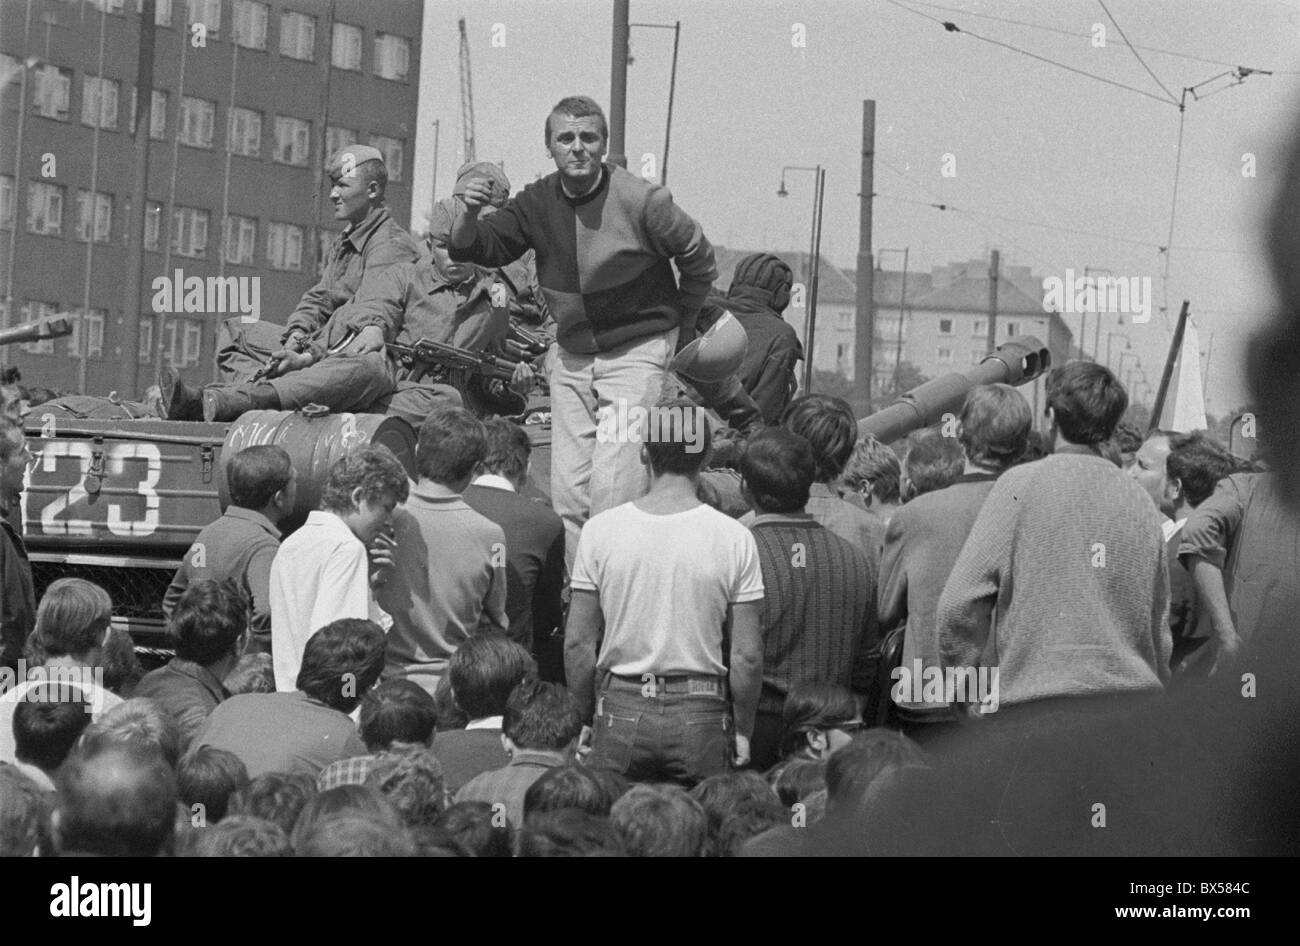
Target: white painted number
(147, 452)
(49, 460)
(115, 467)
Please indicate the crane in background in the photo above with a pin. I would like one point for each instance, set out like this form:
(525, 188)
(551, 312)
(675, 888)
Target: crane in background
(466, 96)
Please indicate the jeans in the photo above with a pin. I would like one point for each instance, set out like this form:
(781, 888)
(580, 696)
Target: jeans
(590, 474)
(665, 738)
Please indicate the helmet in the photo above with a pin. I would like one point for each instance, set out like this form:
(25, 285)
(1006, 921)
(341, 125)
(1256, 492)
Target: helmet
(716, 354)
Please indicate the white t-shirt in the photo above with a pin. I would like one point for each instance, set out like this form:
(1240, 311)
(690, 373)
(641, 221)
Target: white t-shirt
(665, 582)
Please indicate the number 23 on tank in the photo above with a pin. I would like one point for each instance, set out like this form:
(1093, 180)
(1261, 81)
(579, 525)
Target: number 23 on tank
(115, 469)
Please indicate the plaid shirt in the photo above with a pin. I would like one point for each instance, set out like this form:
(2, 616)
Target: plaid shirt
(345, 772)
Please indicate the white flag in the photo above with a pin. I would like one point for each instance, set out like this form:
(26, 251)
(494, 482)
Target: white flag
(1184, 409)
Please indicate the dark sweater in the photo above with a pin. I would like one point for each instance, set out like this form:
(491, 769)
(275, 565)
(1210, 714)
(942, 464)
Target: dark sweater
(466, 753)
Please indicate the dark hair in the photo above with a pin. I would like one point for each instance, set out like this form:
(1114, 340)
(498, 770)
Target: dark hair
(721, 796)
(47, 722)
(508, 448)
(614, 783)
(660, 821)
(209, 619)
(345, 800)
(749, 819)
(576, 106)
(1198, 462)
(567, 786)
(851, 769)
(472, 825)
(24, 815)
(874, 467)
(355, 836)
(256, 474)
(241, 836)
(254, 673)
(484, 670)
(797, 779)
(72, 618)
(995, 424)
(1087, 400)
(1128, 437)
(398, 710)
(276, 796)
(829, 425)
(140, 721)
(209, 776)
(452, 442)
(373, 470)
(450, 715)
(810, 707)
(677, 437)
(436, 842)
(342, 661)
(569, 833)
(779, 470)
(116, 799)
(413, 781)
(542, 716)
(933, 462)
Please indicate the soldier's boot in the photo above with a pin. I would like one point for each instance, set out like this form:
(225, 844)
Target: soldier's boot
(178, 401)
(228, 402)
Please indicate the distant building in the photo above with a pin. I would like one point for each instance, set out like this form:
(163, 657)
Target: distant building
(308, 76)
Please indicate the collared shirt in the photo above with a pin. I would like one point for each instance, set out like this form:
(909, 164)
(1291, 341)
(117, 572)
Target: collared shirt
(187, 691)
(360, 254)
(508, 785)
(487, 722)
(345, 772)
(281, 732)
(240, 546)
(492, 481)
(320, 574)
(1172, 527)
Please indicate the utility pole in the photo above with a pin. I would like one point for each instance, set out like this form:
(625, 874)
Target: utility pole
(83, 321)
(864, 337)
(129, 362)
(993, 300)
(672, 89)
(618, 85)
(8, 315)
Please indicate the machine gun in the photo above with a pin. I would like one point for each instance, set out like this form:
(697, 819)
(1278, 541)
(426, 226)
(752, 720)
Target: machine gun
(52, 326)
(482, 379)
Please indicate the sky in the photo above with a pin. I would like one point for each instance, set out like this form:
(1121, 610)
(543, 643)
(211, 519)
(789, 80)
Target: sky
(1054, 169)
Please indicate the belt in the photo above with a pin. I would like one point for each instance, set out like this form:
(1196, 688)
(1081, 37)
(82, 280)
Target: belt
(651, 685)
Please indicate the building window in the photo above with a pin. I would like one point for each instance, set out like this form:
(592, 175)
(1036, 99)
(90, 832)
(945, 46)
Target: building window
(336, 138)
(146, 340)
(346, 50)
(190, 232)
(39, 310)
(977, 328)
(53, 91)
(95, 334)
(162, 15)
(45, 208)
(393, 150)
(392, 56)
(207, 12)
(153, 211)
(109, 6)
(187, 336)
(249, 24)
(1013, 329)
(245, 132)
(945, 326)
(157, 115)
(241, 240)
(99, 97)
(846, 320)
(198, 118)
(6, 202)
(292, 141)
(841, 352)
(103, 216)
(284, 246)
(943, 356)
(298, 36)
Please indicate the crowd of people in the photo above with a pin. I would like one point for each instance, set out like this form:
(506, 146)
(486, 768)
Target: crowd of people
(753, 639)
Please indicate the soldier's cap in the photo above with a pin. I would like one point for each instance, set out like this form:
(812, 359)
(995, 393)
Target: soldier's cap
(441, 218)
(484, 170)
(359, 153)
(715, 355)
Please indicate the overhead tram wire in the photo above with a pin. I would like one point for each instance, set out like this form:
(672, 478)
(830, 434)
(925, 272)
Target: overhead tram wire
(1172, 97)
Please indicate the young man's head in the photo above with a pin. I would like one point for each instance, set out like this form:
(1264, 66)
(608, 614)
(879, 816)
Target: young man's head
(1150, 470)
(116, 799)
(569, 833)
(778, 471)
(413, 781)
(341, 662)
(72, 621)
(139, 721)
(933, 462)
(47, 724)
(817, 719)
(855, 770)
(358, 179)
(676, 438)
(397, 714)
(541, 717)
(475, 826)
(363, 488)
(24, 815)
(485, 670)
(262, 478)
(210, 622)
(1128, 440)
(208, 777)
(994, 427)
(660, 821)
(1194, 466)
(764, 276)
(14, 457)
(1085, 402)
(508, 451)
(451, 448)
(241, 836)
(567, 786)
(354, 836)
(829, 425)
(576, 138)
(722, 796)
(874, 473)
(279, 797)
(438, 241)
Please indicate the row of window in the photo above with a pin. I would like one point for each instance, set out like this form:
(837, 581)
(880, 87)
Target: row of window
(250, 28)
(979, 328)
(197, 120)
(183, 337)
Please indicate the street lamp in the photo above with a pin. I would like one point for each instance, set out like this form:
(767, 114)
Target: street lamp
(902, 309)
(676, 27)
(814, 265)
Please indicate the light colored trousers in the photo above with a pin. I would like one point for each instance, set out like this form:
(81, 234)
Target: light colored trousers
(591, 473)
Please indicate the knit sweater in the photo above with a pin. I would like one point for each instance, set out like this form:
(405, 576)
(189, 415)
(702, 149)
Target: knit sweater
(603, 258)
(1062, 584)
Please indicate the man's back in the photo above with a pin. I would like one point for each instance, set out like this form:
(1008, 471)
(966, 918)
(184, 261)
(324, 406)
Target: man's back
(467, 753)
(508, 784)
(281, 732)
(1061, 583)
(186, 690)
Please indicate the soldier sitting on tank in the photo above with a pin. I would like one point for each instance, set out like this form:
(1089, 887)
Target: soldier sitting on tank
(306, 369)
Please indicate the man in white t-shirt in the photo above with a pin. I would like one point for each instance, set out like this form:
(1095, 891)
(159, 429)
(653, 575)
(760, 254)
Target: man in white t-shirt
(676, 588)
